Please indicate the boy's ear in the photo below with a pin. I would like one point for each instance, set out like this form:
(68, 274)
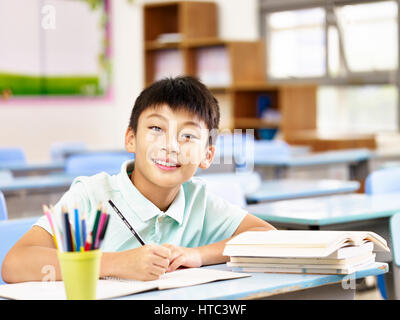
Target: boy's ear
(208, 158)
(130, 142)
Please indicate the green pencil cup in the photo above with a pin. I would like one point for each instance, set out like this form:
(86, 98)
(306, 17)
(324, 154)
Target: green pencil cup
(80, 272)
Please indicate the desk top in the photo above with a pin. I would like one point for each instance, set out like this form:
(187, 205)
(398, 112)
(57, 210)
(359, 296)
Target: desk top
(284, 189)
(27, 167)
(35, 183)
(313, 159)
(259, 284)
(328, 210)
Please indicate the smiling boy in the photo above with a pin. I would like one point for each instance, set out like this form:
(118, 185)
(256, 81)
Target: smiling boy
(172, 130)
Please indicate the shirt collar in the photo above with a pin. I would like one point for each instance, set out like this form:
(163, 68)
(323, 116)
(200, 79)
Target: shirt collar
(142, 206)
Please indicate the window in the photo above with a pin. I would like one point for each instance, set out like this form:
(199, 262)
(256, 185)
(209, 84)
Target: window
(369, 35)
(357, 108)
(296, 43)
(349, 47)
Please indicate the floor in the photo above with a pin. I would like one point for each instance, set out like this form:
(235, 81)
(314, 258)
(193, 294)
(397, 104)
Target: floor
(368, 290)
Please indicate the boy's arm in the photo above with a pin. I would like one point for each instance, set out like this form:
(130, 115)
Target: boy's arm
(34, 258)
(212, 253)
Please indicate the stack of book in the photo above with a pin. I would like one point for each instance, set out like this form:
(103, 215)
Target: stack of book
(314, 252)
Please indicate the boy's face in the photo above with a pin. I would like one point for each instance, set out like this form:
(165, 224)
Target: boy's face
(169, 145)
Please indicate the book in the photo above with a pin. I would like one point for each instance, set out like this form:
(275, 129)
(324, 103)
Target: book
(259, 261)
(113, 288)
(300, 244)
(343, 270)
(341, 255)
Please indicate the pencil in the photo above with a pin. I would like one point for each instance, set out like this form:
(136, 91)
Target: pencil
(77, 230)
(67, 230)
(126, 223)
(96, 226)
(103, 232)
(47, 213)
(99, 229)
(83, 227)
(88, 243)
(61, 246)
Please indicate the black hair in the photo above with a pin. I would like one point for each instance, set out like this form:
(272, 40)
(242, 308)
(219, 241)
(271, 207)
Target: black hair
(180, 93)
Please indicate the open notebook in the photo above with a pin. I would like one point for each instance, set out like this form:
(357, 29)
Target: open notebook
(112, 288)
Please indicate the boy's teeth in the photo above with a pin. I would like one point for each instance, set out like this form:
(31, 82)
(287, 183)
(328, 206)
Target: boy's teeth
(167, 164)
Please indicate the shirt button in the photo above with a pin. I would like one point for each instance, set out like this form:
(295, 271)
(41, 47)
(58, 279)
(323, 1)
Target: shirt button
(160, 219)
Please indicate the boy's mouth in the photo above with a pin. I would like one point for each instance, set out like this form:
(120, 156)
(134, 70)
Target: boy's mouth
(166, 165)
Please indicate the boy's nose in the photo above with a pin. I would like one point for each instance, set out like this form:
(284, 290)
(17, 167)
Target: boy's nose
(172, 144)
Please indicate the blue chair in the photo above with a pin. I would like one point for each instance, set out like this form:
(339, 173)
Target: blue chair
(3, 207)
(10, 232)
(383, 181)
(12, 156)
(379, 182)
(59, 151)
(93, 163)
(395, 238)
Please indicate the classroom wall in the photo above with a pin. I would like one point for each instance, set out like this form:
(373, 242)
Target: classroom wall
(102, 124)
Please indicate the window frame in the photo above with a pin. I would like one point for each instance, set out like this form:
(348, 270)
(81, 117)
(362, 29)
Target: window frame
(352, 78)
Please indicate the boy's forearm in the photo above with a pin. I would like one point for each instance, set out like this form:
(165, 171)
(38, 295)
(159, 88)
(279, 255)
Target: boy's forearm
(33, 263)
(37, 263)
(212, 253)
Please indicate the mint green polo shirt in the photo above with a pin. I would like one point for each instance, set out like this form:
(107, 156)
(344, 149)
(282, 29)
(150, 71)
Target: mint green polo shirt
(195, 217)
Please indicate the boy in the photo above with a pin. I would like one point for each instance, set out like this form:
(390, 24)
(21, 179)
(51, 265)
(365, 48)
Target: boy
(172, 131)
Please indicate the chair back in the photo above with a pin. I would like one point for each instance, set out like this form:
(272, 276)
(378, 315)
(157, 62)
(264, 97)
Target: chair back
(233, 187)
(383, 181)
(10, 232)
(93, 163)
(12, 156)
(3, 207)
(395, 237)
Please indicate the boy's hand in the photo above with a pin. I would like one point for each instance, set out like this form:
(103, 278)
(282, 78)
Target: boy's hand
(185, 257)
(148, 262)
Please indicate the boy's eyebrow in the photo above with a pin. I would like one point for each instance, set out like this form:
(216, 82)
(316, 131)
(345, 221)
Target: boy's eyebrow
(193, 123)
(157, 116)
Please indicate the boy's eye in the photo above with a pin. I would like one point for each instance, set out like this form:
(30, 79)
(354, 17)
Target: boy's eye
(188, 136)
(155, 128)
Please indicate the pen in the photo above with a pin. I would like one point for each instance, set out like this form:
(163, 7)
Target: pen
(126, 223)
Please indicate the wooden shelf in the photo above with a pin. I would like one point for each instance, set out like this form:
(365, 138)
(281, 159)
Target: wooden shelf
(255, 123)
(330, 141)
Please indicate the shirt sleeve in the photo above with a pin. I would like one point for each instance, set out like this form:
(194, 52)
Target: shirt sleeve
(221, 219)
(75, 196)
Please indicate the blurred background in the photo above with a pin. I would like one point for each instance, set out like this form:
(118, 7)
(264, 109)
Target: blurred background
(70, 70)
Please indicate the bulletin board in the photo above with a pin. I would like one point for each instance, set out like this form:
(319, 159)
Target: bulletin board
(54, 48)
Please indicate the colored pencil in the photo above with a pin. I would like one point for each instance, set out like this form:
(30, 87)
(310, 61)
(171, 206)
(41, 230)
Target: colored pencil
(88, 243)
(139, 238)
(67, 230)
(95, 226)
(83, 227)
(77, 230)
(99, 229)
(61, 246)
(47, 213)
(103, 232)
